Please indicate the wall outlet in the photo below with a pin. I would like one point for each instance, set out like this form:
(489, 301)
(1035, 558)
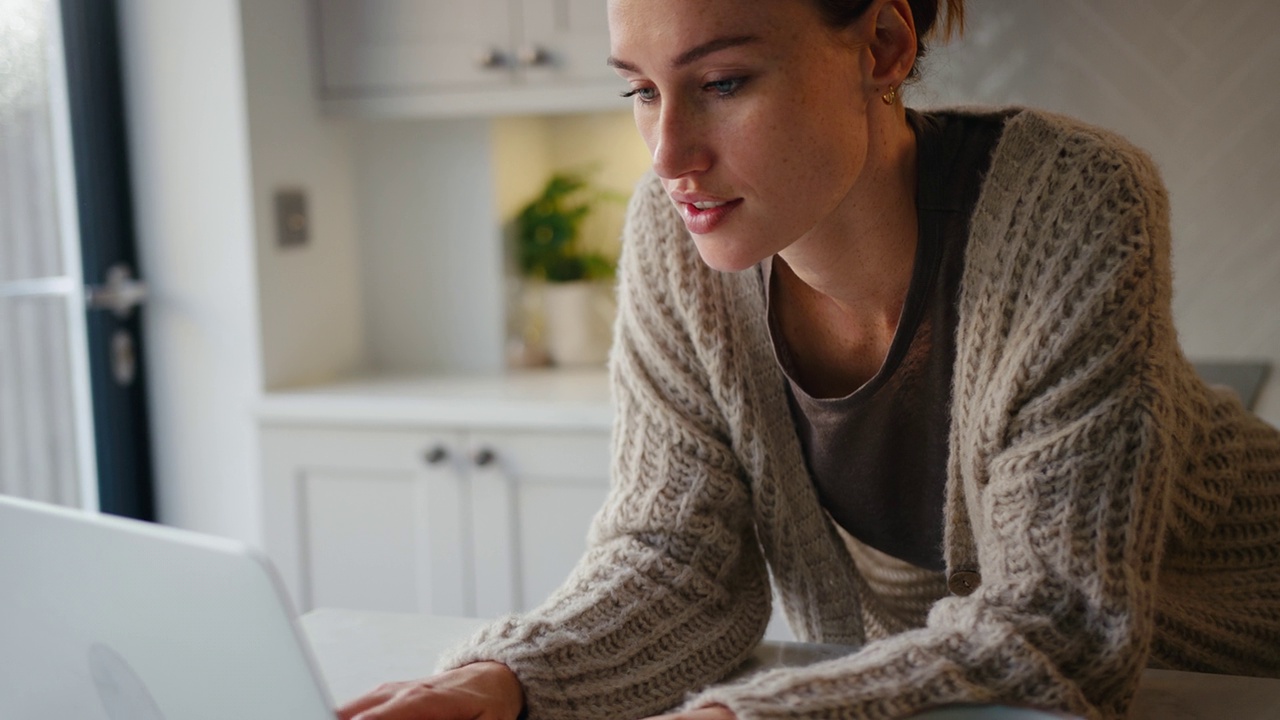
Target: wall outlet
(293, 225)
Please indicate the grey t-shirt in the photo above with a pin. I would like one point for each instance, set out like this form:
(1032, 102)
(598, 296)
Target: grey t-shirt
(878, 457)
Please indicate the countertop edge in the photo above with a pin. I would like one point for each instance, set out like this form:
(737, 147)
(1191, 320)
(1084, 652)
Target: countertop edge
(550, 400)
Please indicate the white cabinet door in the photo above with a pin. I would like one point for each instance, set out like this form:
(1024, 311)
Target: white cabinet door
(445, 58)
(364, 520)
(572, 37)
(450, 523)
(533, 502)
(395, 46)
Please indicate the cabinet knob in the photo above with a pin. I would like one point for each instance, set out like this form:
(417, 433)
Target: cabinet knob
(485, 457)
(535, 56)
(491, 59)
(436, 455)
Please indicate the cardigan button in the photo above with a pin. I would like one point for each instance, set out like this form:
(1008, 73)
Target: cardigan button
(963, 583)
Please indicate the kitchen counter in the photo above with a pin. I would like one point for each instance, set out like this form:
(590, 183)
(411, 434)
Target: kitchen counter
(358, 650)
(551, 399)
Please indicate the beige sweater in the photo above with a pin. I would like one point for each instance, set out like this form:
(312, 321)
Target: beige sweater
(1117, 512)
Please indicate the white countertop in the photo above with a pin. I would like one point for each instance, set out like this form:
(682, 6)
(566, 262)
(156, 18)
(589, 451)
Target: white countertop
(548, 398)
(556, 399)
(357, 650)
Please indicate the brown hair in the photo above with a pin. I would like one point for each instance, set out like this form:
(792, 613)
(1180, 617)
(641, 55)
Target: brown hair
(926, 13)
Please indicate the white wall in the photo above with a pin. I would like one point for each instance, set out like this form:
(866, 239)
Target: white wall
(431, 246)
(311, 306)
(185, 101)
(1193, 83)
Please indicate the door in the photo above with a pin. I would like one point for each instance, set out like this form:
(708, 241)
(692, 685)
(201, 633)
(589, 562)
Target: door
(565, 40)
(533, 495)
(73, 427)
(369, 519)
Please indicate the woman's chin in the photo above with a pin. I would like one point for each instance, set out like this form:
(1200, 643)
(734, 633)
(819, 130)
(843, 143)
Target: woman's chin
(726, 255)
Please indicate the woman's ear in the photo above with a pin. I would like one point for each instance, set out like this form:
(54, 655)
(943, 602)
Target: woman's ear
(893, 46)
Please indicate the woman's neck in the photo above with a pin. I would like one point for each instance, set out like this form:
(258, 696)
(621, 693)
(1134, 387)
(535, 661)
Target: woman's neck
(862, 257)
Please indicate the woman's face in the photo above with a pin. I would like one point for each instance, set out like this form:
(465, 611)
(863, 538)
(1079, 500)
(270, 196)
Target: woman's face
(755, 113)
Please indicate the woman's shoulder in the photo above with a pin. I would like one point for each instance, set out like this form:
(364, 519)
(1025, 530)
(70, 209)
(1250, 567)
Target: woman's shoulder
(1032, 135)
(1062, 193)
(649, 202)
(655, 239)
(652, 222)
(659, 260)
(1046, 158)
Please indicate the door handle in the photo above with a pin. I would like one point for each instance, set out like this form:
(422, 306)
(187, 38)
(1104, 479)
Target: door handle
(120, 295)
(535, 56)
(491, 59)
(436, 455)
(485, 457)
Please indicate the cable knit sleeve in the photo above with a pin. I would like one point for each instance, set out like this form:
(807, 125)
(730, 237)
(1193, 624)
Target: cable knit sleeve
(673, 592)
(1061, 451)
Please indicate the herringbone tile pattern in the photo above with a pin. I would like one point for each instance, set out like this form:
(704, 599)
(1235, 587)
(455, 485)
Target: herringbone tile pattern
(1196, 83)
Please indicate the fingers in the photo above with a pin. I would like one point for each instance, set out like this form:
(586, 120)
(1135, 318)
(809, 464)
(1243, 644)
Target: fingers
(382, 694)
(418, 700)
(413, 701)
(482, 690)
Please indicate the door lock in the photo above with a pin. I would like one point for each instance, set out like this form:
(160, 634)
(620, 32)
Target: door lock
(124, 358)
(120, 296)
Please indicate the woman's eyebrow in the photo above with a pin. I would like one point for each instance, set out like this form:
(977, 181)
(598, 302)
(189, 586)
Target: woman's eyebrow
(693, 54)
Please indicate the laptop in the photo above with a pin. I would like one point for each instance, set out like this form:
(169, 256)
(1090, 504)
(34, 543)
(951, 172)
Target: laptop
(103, 618)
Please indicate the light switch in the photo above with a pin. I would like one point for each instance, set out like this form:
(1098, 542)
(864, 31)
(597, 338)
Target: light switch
(293, 226)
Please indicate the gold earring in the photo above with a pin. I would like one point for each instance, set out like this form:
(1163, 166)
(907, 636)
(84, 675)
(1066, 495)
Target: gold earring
(890, 97)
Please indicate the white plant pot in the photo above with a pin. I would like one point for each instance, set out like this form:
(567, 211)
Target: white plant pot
(579, 319)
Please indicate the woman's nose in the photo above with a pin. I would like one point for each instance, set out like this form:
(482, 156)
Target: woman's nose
(678, 147)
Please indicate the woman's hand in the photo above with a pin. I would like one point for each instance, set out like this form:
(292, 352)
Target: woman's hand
(715, 712)
(480, 691)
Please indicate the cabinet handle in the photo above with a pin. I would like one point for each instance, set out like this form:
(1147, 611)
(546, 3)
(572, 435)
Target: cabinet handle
(436, 455)
(485, 457)
(535, 56)
(491, 59)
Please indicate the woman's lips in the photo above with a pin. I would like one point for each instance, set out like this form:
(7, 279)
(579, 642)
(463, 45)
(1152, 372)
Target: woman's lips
(702, 220)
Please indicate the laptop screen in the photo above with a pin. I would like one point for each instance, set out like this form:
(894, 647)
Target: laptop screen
(113, 619)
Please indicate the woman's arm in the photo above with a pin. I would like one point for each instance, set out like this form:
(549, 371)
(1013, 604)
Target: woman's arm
(1060, 447)
(673, 592)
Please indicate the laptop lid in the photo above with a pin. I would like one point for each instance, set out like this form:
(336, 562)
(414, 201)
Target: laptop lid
(103, 618)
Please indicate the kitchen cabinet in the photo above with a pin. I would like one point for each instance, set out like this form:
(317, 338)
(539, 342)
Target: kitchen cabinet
(465, 496)
(424, 58)
(435, 520)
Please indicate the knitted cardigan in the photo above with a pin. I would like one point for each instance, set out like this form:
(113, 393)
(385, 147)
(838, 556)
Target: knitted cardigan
(1118, 512)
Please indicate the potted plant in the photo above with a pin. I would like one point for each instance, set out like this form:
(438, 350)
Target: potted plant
(575, 281)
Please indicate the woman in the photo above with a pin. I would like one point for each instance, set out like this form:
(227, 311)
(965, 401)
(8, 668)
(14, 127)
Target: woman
(917, 367)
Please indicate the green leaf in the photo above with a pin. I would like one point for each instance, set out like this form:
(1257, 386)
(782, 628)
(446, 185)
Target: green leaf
(548, 231)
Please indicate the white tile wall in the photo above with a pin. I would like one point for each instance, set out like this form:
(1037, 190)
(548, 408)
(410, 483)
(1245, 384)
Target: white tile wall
(1196, 83)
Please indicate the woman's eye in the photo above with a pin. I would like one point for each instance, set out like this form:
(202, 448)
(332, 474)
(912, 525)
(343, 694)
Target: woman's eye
(643, 94)
(726, 87)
